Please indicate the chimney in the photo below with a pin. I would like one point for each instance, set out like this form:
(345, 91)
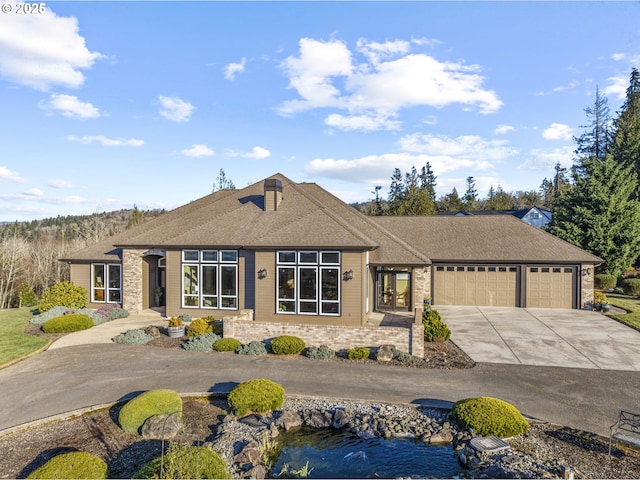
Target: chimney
(272, 194)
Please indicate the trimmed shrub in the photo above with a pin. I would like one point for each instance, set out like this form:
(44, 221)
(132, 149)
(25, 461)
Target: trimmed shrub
(198, 327)
(116, 313)
(320, 353)
(489, 417)
(434, 328)
(257, 396)
(287, 345)
(186, 462)
(602, 281)
(201, 343)
(146, 405)
(215, 324)
(358, 353)
(28, 297)
(72, 465)
(226, 344)
(599, 298)
(631, 286)
(405, 357)
(252, 348)
(133, 337)
(48, 315)
(65, 294)
(67, 323)
(185, 318)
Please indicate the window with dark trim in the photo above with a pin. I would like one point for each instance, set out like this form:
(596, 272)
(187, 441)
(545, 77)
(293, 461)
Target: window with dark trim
(308, 282)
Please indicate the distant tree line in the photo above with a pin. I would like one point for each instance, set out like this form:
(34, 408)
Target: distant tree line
(29, 251)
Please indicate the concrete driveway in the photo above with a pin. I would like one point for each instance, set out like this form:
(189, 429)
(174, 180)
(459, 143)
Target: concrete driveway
(544, 337)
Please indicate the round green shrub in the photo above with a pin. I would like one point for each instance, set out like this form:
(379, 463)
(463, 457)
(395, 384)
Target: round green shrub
(631, 286)
(64, 294)
(226, 344)
(146, 405)
(257, 396)
(186, 462)
(358, 353)
(434, 328)
(287, 345)
(199, 327)
(602, 281)
(320, 353)
(489, 417)
(67, 323)
(133, 337)
(72, 465)
(252, 348)
(201, 343)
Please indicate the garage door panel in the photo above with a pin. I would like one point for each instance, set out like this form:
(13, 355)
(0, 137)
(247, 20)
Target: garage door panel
(475, 285)
(551, 287)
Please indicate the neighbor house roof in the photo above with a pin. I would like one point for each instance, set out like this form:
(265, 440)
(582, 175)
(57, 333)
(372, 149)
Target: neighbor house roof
(307, 217)
(494, 238)
(521, 213)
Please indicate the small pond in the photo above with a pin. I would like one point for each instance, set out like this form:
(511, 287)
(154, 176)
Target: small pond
(342, 454)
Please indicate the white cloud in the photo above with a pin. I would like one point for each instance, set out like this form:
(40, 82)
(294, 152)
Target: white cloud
(503, 129)
(617, 87)
(618, 57)
(540, 159)
(232, 69)
(558, 131)
(198, 150)
(107, 142)
(326, 74)
(34, 192)
(70, 106)
(569, 86)
(257, 153)
(11, 176)
(361, 122)
(42, 50)
(60, 184)
(445, 154)
(175, 109)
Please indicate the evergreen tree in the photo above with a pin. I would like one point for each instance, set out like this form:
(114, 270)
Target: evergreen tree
(379, 211)
(596, 141)
(626, 149)
(396, 192)
(415, 200)
(600, 215)
(450, 202)
(222, 182)
(498, 199)
(137, 217)
(471, 195)
(428, 181)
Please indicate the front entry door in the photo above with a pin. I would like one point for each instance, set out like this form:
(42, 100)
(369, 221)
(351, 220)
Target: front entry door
(393, 290)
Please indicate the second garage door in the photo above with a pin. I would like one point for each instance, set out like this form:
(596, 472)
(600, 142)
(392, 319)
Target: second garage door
(489, 285)
(551, 287)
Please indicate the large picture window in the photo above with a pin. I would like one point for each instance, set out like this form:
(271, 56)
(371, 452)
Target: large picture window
(106, 283)
(308, 282)
(210, 279)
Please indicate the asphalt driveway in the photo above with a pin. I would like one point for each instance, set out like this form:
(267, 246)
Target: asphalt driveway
(543, 337)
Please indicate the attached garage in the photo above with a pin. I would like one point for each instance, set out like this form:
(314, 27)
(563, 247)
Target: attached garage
(490, 285)
(551, 287)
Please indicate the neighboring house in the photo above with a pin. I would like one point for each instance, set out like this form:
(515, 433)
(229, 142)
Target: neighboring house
(535, 216)
(282, 252)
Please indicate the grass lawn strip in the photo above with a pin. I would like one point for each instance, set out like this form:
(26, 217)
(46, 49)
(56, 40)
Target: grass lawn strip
(15, 344)
(630, 304)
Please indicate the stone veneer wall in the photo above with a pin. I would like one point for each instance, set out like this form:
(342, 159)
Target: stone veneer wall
(410, 340)
(586, 276)
(132, 279)
(422, 281)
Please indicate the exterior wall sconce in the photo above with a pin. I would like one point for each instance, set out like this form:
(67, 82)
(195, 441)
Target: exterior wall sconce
(586, 272)
(348, 275)
(262, 273)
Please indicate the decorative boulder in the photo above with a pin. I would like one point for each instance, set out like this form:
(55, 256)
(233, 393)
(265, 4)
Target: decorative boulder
(289, 420)
(161, 427)
(385, 353)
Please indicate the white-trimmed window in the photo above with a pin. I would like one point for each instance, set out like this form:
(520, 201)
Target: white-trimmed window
(210, 279)
(106, 283)
(308, 282)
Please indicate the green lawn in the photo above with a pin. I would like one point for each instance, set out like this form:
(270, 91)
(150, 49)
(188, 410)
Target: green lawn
(630, 304)
(14, 343)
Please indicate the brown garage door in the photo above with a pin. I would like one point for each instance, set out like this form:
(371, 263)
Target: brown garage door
(490, 285)
(551, 287)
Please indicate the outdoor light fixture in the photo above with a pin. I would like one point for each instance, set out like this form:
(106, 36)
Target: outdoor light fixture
(262, 273)
(348, 275)
(586, 272)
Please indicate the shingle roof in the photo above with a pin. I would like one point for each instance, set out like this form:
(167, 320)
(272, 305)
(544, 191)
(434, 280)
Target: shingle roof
(494, 238)
(310, 217)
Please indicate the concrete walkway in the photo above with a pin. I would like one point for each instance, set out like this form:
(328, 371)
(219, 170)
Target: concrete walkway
(544, 337)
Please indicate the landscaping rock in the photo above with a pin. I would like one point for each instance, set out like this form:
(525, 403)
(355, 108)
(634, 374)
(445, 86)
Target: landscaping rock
(161, 427)
(153, 331)
(318, 419)
(290, 419)
(341, 418)
(442, 437)
(385, 353)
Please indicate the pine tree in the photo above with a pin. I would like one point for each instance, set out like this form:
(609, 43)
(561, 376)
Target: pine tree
(600, 215)
(498, 199)
(137, 217)
(415, 200)
(626, 149)
(450, 202)
(396, 192)
(222, 182)
(597, 140)
(428, 181)
(471, 195)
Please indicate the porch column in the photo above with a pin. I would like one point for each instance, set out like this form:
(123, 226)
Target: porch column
(132, 279)
(585, 277)
(422, 282)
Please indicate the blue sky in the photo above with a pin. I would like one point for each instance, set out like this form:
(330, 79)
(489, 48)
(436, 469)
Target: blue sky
(109, 104)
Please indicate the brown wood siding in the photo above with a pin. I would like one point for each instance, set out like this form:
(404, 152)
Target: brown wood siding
(80, 274)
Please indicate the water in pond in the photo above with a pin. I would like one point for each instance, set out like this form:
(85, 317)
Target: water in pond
(341, 454)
